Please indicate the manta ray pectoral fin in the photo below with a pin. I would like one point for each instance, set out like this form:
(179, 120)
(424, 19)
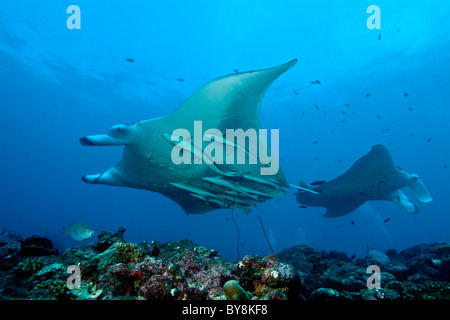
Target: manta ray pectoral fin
(419, 189)
(400, 199)
(102, 140)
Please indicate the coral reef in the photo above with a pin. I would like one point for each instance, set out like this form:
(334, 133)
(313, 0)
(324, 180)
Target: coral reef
(419, 272)
(112, 268)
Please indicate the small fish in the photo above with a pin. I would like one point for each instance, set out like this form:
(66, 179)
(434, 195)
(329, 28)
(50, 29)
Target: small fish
(411, 134)
(303, 207)
(316, 183)
(129, 60)
(343, 112)
(235, 70)
(353, 256)
(388, 219)
(180, 79)
(317, 158)
(410, 109)
(368, 95)
(362, 193)
(315, 82)
(379, 37)
(325, 113)
(353, 222)
(317, 107)
(295, 92)
(347, 105)
(315, 142)
(406, 94)
(429, 139)
(79, 231)
(379, 117)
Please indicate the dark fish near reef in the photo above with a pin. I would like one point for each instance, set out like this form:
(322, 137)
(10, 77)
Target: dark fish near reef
(388, 219)
(13, 235)
(302, 207)
(315, 82)
(372, 177)
(129, 60)
(235, 70)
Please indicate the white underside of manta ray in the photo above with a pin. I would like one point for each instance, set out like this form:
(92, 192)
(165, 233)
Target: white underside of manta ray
(229, 102)
(372, 177)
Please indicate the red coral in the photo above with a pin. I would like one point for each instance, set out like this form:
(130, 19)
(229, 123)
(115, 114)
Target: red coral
(137, 274)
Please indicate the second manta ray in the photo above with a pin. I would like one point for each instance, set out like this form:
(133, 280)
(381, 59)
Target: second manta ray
(372, 177)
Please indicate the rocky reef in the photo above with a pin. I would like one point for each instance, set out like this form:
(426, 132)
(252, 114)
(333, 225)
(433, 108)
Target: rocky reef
(112, 268)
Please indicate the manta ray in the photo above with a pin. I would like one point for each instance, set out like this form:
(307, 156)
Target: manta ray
(229, 102)
(372, 177)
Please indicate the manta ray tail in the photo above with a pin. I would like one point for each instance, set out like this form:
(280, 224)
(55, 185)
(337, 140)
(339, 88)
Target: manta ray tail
(304, 188)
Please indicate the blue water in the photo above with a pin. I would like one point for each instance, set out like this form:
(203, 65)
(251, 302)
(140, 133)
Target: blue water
(58, 85)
